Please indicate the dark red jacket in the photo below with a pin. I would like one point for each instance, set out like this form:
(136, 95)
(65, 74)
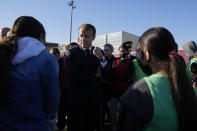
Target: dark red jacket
(123, 75)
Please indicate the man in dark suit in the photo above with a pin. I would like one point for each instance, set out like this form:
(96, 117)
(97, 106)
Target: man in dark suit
(85, 92)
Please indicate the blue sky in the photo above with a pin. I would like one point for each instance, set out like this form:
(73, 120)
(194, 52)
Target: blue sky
(133, 16)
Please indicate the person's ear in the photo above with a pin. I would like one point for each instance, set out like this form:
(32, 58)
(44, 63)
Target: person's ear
(147, 55)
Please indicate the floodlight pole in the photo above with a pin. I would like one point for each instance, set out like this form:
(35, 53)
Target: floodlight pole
(71, 3)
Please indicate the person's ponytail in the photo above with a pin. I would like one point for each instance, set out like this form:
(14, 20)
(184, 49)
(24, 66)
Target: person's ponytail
(182, 93)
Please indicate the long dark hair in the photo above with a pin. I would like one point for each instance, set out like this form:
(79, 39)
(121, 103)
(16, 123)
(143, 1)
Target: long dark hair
(161, 44)
(23, 26)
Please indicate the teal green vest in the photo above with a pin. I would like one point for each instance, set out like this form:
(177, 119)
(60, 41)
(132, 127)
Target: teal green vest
(138, 71)
(188, 71)
(164, 115)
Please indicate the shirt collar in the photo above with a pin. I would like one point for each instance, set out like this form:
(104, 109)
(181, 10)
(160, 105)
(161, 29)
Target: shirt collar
(90, 48)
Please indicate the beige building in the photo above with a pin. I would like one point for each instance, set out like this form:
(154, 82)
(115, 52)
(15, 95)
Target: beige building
(115, 38)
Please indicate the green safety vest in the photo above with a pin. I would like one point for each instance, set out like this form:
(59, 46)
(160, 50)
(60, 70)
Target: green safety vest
(188, 71)
(164, 116)
(138, 71)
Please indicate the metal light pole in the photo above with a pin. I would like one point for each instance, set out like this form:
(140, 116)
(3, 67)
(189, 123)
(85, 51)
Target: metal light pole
(71, 3)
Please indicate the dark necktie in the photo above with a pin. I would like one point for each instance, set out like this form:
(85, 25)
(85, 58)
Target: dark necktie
(87, 52)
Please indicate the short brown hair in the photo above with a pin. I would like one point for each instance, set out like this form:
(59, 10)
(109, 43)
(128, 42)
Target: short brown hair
(87, 27)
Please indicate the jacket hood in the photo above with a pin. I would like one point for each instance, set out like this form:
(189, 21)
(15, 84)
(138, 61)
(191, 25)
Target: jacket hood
(27, 47)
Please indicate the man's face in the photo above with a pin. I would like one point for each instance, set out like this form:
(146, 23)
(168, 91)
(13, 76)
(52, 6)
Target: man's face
(195, 55)
(194, 76)
(86, 37)
(107, 51)
(123, 53)
(129, 50)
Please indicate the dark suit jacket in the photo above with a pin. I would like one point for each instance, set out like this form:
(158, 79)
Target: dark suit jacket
(85, 89)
